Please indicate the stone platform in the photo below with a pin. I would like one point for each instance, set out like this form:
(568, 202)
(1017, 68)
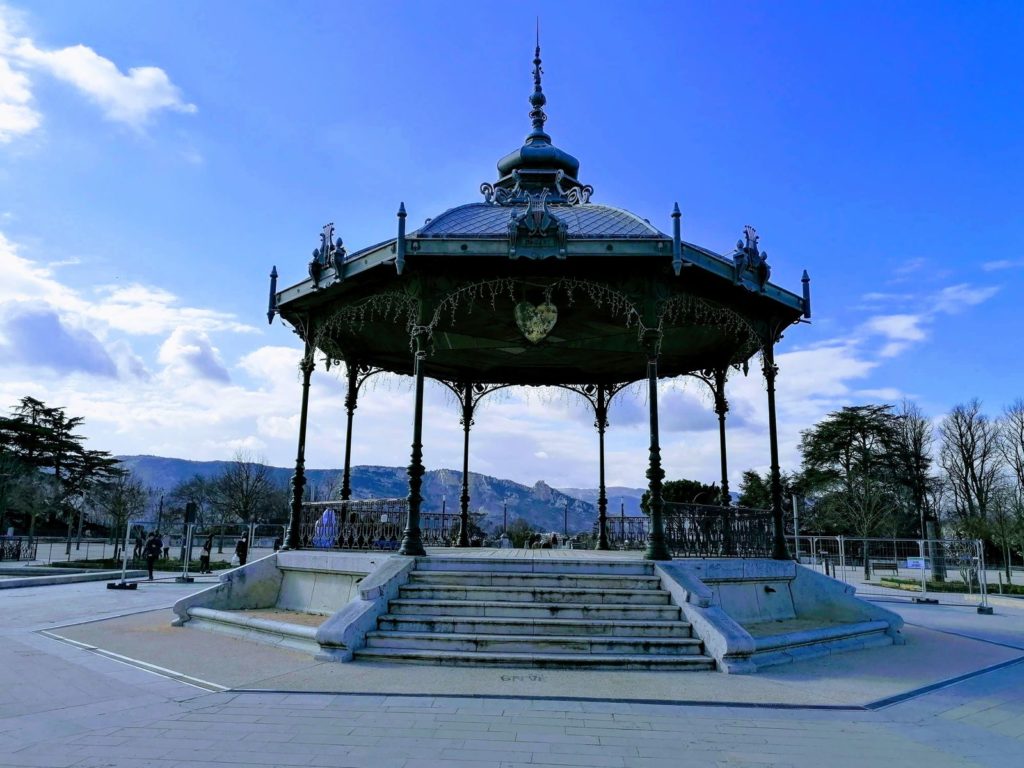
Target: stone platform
(540, 609)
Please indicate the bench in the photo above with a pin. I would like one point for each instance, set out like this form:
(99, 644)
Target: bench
(885, 565)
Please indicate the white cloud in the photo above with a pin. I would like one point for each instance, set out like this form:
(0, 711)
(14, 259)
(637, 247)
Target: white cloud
(141, 309)
(17, 116)
(900, 330)
(131, 98)
(1001, 264)
(189, 354)
(956, 298)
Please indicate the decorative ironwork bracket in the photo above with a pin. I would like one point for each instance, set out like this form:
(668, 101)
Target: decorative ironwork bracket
(330, 254)
(536, 233)
(748, 259)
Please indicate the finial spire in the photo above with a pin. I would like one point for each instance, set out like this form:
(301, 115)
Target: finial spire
(537, 98)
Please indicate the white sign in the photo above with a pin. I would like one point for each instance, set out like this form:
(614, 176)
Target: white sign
(915, 562)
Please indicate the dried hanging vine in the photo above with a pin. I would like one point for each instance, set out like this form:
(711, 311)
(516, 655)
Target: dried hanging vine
(602, 296)
(689, 308)
(394, 306)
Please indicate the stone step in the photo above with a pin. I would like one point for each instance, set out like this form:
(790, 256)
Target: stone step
(593, 566)
(298, 637)
(534, 644)
(586, 596)
(535, 626)
(421, 607)
(538, 661)
(558, 580)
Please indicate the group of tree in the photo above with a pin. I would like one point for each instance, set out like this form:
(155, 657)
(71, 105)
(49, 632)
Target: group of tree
(48, 477)
(883, 470)
(51, 483)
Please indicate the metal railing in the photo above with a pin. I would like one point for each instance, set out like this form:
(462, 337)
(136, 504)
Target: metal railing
(370, 524)
(891, 566)
(16, 548)
(700, 530)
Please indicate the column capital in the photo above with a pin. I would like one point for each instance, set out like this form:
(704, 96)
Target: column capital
(650, 340)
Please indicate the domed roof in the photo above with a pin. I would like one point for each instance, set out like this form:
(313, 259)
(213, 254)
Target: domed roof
(586, 221)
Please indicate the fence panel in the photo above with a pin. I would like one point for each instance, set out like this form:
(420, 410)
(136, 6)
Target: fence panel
(377, 524)
(951, 569)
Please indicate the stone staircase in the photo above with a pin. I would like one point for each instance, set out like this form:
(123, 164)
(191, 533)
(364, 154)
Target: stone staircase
(587, 613)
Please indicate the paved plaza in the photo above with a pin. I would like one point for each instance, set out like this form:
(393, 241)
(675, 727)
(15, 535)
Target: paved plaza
(93, 677)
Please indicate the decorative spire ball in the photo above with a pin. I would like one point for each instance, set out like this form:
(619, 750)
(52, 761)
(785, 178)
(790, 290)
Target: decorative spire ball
(537, 98)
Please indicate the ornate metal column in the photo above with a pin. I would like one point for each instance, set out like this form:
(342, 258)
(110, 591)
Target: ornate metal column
(601, 422)
(469, 395)
(599, 396)
(722, 408)
(412, 544)
(656, 547)
(356, 375)
(779, 549)
(293, 539)
(351, 396)
(715, 379)
(467, 424)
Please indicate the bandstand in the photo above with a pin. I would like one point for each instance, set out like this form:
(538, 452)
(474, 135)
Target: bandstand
(535, 285)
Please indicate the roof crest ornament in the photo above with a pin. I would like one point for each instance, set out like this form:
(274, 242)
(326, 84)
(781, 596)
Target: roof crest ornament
(749, 260)
(538, 164)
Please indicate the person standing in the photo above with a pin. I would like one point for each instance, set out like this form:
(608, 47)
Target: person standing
(242, 548)
(152, 552)
(140, 544)
(204, 555)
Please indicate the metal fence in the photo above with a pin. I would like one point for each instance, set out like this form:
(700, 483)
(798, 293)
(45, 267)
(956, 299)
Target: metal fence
(16, 548)
(954, 568)
(377, 524)
(700, 530)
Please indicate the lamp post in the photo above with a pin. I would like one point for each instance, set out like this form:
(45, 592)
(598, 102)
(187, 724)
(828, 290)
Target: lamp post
(444, 534)
(565, 521)
(504, 513)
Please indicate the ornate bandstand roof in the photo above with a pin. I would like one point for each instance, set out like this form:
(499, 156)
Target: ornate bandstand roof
(535, 284)
(584, 221)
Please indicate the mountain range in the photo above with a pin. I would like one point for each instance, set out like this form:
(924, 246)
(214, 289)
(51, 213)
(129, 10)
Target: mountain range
(545, 508)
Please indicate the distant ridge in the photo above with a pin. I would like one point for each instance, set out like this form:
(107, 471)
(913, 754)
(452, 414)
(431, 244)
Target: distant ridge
(542, 506)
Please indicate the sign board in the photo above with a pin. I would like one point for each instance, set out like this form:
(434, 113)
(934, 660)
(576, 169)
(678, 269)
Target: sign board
(915, 562)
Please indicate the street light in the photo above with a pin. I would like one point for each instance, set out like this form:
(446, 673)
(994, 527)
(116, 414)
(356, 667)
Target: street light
(565, 521)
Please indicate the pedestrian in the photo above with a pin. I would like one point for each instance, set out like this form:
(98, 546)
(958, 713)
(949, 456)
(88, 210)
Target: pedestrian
(140, 544)
(204, 555)
(278, 541)
(152, 552)
(242, 548)
(166, 547)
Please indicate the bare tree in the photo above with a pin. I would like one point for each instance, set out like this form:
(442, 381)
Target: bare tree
(1004, 523)
(1011, 447)
(1011, 442)
(242, 488)
(119, 500)
(971, 458)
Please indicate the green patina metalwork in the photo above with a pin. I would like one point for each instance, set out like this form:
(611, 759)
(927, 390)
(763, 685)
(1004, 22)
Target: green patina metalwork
(536, 285)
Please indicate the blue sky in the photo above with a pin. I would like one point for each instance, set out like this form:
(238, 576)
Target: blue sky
(157, 158)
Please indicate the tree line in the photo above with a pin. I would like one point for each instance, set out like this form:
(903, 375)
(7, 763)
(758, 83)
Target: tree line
(52, 484)
(885, 470)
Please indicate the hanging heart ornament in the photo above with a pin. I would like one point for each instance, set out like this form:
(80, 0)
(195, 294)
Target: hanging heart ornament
(536, 321)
